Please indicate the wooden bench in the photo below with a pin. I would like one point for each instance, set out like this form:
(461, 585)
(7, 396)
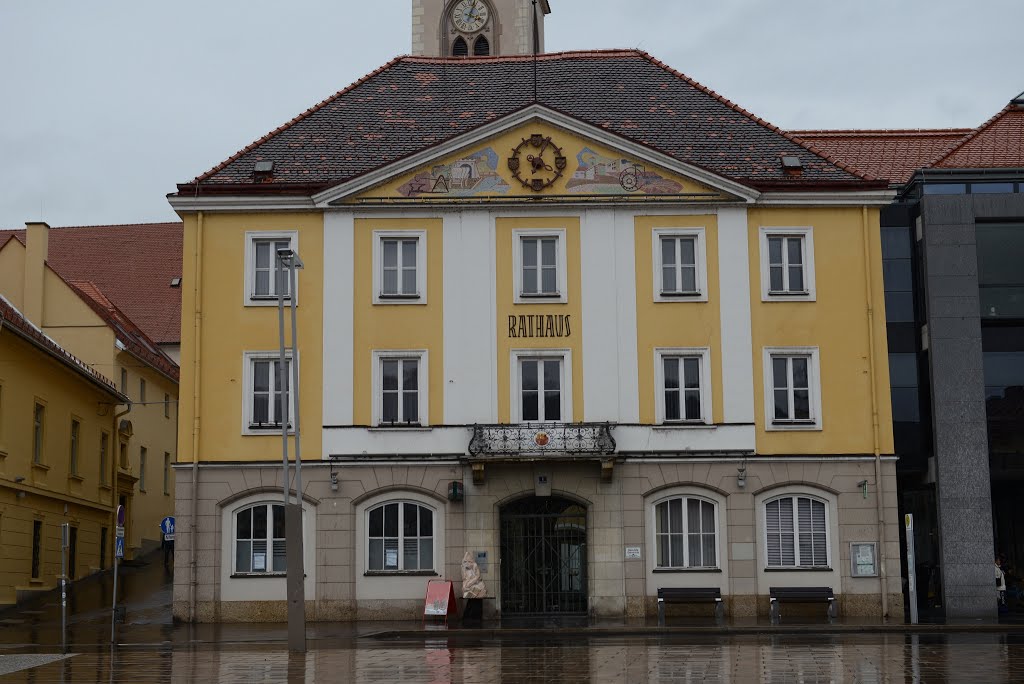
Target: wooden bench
(800, 595)
(690, 595)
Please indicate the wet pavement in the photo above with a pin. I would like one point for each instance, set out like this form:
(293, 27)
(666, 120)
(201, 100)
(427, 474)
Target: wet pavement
(153, 649)
(768, 659)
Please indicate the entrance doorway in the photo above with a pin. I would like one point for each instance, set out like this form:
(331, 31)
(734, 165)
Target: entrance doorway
(543, 557)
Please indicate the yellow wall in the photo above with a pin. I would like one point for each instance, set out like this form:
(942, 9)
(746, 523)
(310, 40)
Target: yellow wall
(12, 273)
(232, 329)
(159, 435)
(837, 323)
(675, 323)
(397, 326)
(28, 375)
(506, 307)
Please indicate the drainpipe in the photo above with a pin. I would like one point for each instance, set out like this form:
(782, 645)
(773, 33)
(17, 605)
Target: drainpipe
(879, 489)
(197, 326)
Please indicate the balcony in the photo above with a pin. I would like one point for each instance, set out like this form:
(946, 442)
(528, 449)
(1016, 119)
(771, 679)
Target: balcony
(532, 440)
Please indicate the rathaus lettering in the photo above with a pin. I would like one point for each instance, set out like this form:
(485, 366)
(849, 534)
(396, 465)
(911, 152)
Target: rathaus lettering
(539, 326)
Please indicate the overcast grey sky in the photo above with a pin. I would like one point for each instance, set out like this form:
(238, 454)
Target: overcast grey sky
(106, 105)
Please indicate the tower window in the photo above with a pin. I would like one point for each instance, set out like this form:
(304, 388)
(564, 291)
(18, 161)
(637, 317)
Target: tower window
(481, 48)
(459, 48)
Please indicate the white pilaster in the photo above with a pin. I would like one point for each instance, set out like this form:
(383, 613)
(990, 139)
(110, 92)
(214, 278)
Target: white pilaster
(734, 295)
(339, 298)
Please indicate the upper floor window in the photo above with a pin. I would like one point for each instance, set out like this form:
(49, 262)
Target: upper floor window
(38, 426)
(787, 264)
(796, 530)
(264, 384)
(260, 539)
(683, 377)
(142, 390)
(265, 277)
(481, 48)
(539, 267)
(104, 458)
(685, 533)
(400, 388)
(679, 271)
(792, 388)
(400, 272)
(167, 405)
(124, 381)
(542, 387)
(400, 536)
(76, 429)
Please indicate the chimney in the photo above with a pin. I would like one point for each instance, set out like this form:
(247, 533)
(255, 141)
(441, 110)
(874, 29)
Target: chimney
(37, 236)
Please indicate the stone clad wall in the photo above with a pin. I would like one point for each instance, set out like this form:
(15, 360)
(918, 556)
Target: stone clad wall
(617, 517)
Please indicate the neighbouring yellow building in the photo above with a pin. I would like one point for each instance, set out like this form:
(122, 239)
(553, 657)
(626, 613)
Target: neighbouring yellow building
(133, 465)
(575, 315)
(57, 431)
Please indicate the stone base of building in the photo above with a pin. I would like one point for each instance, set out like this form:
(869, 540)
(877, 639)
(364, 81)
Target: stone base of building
(598, 536)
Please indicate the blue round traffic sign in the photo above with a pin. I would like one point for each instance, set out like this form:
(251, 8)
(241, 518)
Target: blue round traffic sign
(167, 525)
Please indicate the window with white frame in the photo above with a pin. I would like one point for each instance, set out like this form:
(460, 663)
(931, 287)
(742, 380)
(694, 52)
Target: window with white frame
(400, 388)
(539, 267)
(679, 258)
(260, 539)
(265, 383)
(400, 266)
(265, 277)
(685, 533)
(541, 388)
(787, 264)
(683, 377)
(400, 537)
(796, 529)
(792, 388)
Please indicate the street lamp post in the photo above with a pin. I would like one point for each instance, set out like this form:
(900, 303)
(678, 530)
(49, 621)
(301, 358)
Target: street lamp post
(296, 592)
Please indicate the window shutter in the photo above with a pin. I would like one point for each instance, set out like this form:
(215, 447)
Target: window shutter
(772, 529)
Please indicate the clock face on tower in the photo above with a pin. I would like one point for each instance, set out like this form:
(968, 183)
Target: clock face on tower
(469, 16)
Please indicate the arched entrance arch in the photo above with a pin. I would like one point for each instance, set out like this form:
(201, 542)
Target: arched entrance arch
(543, 557)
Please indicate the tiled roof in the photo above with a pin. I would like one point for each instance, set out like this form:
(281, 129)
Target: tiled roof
(413, 103)
(128, 334)
(13, 319)
(890, 154)
(996, 144)
(131, 264)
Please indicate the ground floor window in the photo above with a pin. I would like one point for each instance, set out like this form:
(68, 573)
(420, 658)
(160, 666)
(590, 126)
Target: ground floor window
(685, 533)
(260, 539)
(797, 532)
(401, 537)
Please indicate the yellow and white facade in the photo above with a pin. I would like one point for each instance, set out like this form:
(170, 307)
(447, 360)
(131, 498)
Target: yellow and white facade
(685, 377)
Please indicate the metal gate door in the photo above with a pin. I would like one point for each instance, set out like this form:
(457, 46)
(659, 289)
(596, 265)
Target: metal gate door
(543, 557)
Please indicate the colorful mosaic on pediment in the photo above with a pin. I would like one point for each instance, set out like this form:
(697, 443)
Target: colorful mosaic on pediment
(475, 174)
(600, 175)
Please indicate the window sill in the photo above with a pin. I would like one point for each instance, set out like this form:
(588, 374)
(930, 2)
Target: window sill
(401, 428)
(260, 575)
(794, 425)
(35, 581)
(104, 486)
(398, 297)
(76, 477)
(40, 466)
(400, 573)
(268, 301)
(684, 426)
(801, 568)
(685, 571)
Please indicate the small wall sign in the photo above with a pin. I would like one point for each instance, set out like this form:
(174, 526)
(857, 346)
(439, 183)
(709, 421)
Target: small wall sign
(632, 553)
(863, 559)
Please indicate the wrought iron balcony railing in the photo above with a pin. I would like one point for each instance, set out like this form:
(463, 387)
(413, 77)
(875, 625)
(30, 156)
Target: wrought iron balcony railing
(532, 439)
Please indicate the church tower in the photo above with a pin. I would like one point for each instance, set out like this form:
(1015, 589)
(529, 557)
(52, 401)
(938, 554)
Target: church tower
(477, 28)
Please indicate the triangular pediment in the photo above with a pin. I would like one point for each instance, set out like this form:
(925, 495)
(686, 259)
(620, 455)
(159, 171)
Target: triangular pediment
(537, 154)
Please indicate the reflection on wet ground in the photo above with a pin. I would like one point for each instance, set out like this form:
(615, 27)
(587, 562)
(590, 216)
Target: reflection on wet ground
(769, 659)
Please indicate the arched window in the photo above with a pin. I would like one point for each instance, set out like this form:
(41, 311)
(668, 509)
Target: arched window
(459, 47)
(401, 536)
(260, 539)
(685, 533)
(481, 48)
(796, 528)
